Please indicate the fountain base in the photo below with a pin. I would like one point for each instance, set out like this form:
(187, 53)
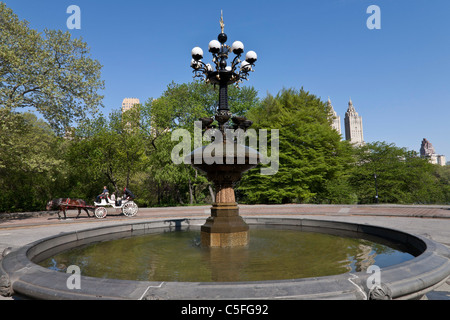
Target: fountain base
(225, 227)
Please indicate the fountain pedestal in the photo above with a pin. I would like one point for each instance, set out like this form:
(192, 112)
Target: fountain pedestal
(225, 227)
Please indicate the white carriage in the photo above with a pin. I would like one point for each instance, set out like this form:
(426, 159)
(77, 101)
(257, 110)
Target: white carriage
(127, 207)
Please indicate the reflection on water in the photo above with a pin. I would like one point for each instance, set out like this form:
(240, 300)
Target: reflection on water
(271, 255)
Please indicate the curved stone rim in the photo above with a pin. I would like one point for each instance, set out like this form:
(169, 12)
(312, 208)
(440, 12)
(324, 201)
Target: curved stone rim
(408, 280)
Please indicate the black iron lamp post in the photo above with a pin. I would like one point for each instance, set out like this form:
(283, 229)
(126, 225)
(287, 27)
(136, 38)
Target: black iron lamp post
(225, 227)
(376, 188)
(224, 74)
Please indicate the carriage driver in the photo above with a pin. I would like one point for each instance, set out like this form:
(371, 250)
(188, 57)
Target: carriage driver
(103, 195)
(127, 194)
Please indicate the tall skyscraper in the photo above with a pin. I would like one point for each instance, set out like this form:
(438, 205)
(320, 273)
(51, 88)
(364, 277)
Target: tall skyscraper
(427, 151)
(128, 103)
(336, 121)
(353, 126)
(426, 148)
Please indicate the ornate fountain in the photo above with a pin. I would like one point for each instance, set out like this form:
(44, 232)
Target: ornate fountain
(229, 159)
(224, 161)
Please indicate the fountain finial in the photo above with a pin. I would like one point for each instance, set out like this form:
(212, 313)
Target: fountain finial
(222, 24)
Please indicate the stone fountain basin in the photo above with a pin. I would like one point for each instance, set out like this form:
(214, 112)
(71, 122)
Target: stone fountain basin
(408, 280)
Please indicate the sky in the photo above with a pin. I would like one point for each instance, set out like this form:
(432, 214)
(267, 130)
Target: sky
(397, 76)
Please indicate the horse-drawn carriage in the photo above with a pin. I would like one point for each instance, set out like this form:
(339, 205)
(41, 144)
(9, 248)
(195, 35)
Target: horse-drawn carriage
(127, 207)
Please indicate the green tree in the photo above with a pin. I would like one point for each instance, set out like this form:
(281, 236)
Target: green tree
(442, 173)
(31, 163)
(183, 104)
(179, 107)
(50, 73)
(311, 153)
(401, 175)
(108, 151)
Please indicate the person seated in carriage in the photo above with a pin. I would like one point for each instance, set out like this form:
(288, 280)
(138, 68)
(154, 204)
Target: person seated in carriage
(127, 194)
(103, 195)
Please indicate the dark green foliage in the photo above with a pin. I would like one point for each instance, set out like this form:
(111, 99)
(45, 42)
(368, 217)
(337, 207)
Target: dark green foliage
(402, 176)
(315, 166)
(179, 107)
(31, 166)
(311, 153)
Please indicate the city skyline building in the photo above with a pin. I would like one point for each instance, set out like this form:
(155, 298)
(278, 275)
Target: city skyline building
(354, 133)
(427, 151)
(128, 103)
(352, 123)
(336, 121)
(353, 126)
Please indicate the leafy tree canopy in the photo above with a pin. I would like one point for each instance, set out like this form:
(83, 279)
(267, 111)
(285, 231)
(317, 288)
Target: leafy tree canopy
(401, 176)
(183, 104)
(311, 152)
(50, 73)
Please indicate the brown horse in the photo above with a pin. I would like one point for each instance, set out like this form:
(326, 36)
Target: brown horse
(63, 204)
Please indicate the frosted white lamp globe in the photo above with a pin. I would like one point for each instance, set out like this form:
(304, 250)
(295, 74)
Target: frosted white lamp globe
(245, 66)
(214, 46)
(251, 57)
(197, 53)
(237, 47)
(194, 64)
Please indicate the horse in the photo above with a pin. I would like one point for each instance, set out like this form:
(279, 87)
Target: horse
(61, 204)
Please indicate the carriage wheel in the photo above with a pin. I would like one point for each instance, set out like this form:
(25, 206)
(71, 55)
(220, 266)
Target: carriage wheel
(100, 212)
(130, 209)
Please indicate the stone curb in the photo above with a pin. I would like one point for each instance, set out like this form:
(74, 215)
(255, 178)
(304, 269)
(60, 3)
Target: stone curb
(408, 280)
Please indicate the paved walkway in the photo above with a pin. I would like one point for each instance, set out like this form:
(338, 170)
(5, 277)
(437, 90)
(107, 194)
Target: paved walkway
(432, 222)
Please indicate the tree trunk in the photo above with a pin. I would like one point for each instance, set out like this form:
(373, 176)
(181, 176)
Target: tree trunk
(111, 179)
(180, 200)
